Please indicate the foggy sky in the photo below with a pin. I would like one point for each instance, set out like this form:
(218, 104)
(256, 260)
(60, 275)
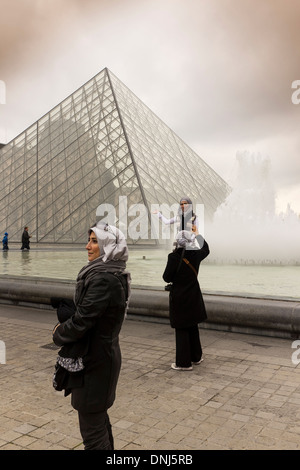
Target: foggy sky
(217, 72)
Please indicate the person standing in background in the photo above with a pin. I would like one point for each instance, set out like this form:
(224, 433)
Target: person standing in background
(185, 219)
(5, 241)
(25, 239)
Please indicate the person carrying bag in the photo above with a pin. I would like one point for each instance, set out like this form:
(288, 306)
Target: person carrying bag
(186, 305)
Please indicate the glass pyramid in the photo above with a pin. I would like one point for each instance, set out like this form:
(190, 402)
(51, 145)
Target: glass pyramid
(101, 145)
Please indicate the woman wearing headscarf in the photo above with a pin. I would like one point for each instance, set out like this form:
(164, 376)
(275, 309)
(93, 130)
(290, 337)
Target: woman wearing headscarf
(89, 361)
(186, 305)
(185, 219)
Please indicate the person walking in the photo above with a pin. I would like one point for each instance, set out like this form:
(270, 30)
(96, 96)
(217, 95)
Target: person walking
(25, 239)
(5, 242)
(89, 360)
(186, 305)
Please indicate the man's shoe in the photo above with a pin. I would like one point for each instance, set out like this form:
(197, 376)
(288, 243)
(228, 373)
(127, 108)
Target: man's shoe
(175, 367)
(196, 363)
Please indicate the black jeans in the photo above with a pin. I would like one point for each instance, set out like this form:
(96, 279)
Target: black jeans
(95, 429)
(188, 346)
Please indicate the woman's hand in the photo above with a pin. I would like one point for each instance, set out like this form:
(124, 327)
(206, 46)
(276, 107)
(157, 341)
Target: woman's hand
(195, 230)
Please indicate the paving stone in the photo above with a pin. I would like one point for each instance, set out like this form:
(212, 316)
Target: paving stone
(245, 395)
(24, 428)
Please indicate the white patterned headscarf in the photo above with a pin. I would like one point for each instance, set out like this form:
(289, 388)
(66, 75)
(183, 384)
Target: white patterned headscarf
(186, 239)
(113, 254)
(111, 241)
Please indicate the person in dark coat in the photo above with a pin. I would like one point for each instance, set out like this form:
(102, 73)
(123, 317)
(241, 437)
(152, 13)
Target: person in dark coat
(186, 305)
(5, 242)
(25, 239)
(89, 361)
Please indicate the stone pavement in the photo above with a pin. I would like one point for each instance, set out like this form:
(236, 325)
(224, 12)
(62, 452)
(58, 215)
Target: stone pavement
(245, 395)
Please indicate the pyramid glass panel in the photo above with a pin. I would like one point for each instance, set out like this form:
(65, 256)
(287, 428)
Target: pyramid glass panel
(100, 146)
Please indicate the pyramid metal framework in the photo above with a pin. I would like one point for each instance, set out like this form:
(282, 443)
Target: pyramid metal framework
(99, 144)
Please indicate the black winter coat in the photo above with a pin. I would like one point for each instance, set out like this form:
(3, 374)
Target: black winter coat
(186, 305)
(100, 301)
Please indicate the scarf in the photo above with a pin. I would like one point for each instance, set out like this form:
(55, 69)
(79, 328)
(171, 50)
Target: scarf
(113, 254)
(186, 239)
(101, 266)
(111, 241)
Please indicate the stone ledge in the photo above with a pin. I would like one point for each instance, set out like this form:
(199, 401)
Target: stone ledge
(272, 317)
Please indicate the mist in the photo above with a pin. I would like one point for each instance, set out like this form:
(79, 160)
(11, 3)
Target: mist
(246, 228)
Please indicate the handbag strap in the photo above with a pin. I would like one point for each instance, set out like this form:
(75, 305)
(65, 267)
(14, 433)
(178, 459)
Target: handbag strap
(181, 258)
(190, 265)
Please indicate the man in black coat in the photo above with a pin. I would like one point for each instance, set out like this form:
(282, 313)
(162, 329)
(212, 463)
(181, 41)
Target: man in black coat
(25, 239)
(186, 305)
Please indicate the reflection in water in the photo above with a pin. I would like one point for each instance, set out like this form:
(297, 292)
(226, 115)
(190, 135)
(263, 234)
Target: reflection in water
(25, 263)
(5, 261)
(146, 268)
